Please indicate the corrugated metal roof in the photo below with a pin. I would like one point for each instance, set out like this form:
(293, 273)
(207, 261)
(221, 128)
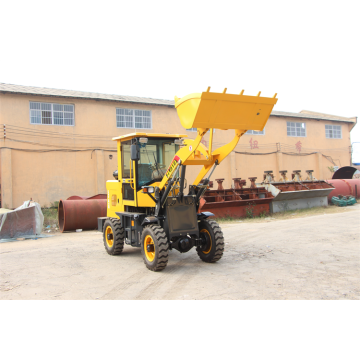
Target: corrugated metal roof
(312, 116)
(19, 89)
(32, 90)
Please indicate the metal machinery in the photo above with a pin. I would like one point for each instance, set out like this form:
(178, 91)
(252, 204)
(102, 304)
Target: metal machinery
(239, 201)
(146, 203)
(296, 193)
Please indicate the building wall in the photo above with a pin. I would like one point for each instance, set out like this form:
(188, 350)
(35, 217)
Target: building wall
(56, 162)
(276, 151)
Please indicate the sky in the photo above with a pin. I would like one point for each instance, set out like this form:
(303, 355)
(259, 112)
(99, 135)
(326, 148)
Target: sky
(305, 51)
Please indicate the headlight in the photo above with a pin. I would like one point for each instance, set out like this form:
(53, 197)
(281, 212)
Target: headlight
(148, 189)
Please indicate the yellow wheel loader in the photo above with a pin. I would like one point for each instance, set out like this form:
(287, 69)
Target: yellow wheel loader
(146, 203)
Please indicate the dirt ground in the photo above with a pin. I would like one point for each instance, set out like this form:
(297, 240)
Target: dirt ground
(313, 257)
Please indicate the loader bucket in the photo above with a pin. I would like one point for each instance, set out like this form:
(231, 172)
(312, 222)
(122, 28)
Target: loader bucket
(224, 111)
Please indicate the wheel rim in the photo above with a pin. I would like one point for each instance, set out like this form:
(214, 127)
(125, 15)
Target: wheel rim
(150, 255)
(208, 241)
(109, 231)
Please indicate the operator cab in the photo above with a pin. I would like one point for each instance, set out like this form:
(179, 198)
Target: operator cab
(144, 159)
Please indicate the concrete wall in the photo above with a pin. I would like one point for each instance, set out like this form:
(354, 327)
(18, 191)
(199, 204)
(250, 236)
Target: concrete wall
(276, 151)
(50, 162)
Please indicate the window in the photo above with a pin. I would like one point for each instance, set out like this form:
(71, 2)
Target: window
(254, 132)
(195, 129)
(155, 157)
(333, 131)
(51, 114)
(296, 129)
(134, 119)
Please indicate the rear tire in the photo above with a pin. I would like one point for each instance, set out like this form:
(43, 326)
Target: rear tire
(213, 250)
(114, 236)
(154, 247)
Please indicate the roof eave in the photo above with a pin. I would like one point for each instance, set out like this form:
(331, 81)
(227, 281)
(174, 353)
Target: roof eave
(298, 116)
(87, 98)
(137, 134)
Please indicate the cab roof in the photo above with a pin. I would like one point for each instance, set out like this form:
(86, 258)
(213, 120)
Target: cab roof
(139, 134)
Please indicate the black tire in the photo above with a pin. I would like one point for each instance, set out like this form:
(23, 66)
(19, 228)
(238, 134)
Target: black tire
(154, 235)
(113, 228)
(213, 250)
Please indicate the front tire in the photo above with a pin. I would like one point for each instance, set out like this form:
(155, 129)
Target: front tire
(114, 236)
(154, 248)
(213, 248)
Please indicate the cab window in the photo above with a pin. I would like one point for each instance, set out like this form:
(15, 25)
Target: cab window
(155, 157)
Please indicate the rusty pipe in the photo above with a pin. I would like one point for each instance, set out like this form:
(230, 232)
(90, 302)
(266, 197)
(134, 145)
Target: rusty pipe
(344, 187)
(80, 214)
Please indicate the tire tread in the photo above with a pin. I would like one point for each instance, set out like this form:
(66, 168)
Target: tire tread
(119, 237)
(219, 243)
(163, 246)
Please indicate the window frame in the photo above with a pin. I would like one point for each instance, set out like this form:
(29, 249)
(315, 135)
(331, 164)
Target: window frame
(195, 130)
(133, 119)
(263, 130)
(332, 126)
(296, 122)
(52, 113)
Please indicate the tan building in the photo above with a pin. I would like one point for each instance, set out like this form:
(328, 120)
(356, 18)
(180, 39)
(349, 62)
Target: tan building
(57, 143)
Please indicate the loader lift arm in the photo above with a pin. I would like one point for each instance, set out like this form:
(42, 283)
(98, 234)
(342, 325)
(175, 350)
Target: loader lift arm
(207, 111)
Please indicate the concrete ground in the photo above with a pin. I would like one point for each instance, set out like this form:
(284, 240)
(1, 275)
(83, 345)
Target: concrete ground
(315, 257)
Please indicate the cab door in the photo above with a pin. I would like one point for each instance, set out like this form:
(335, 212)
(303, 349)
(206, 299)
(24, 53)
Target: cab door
(128, 168)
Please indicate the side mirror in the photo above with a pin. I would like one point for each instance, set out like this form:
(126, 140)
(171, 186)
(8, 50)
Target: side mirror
(135, 152)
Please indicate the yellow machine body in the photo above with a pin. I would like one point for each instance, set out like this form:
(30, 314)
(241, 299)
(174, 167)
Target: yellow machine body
(115, 188)
(204, 111)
